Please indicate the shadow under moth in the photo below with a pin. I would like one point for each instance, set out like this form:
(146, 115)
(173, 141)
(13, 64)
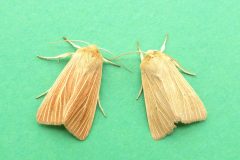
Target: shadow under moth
(73, 98)
(169, 98)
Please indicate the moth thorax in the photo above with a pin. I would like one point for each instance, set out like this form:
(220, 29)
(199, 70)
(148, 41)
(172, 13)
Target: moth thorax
(92, 50)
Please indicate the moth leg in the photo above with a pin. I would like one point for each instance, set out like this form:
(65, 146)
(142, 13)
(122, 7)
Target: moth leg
(140, 92)
(100, 106)
(61, 56)
(42, 94)
(164, 43)
(182, 69)
(70, 42)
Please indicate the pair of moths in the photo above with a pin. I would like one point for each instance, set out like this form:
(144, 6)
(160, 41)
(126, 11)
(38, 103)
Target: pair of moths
(73, 98)
(169, 98)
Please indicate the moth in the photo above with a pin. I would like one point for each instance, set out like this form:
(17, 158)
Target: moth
(169, 98)
(73, 98)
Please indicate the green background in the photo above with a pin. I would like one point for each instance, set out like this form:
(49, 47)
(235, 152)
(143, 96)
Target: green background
(203, 35)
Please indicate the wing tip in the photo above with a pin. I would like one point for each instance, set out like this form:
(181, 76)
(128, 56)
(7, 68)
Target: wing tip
(46, 122)
(158, 136)
(195, 120)
(80, 137)
(49, 123)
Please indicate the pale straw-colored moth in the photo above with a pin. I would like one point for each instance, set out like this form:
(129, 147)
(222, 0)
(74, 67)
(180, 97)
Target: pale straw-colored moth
(73, 98)
(169, 98)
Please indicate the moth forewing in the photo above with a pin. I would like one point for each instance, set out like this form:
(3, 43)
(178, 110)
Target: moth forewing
(73, 98)
(185, 103)
(169, 98)
(82, 104)
(161, 119)
(54, 104)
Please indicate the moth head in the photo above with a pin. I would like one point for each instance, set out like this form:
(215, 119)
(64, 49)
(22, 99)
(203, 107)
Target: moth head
(91, 50)
(152, 53)
(149, 54)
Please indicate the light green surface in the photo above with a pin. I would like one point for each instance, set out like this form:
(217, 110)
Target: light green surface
(203, 35)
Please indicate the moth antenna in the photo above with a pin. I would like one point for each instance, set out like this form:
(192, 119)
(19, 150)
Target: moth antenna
(117, 65)
(164, 43)
(107, 51)
(126, 68)
(71, 42)
(186, 72)
(60, 41)
(140, 51)
(87, 43)
(81, 41)
(42, 94)
(67, 40)
(123, 54)
(140, 92)
(100, 106)
(58, 57)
